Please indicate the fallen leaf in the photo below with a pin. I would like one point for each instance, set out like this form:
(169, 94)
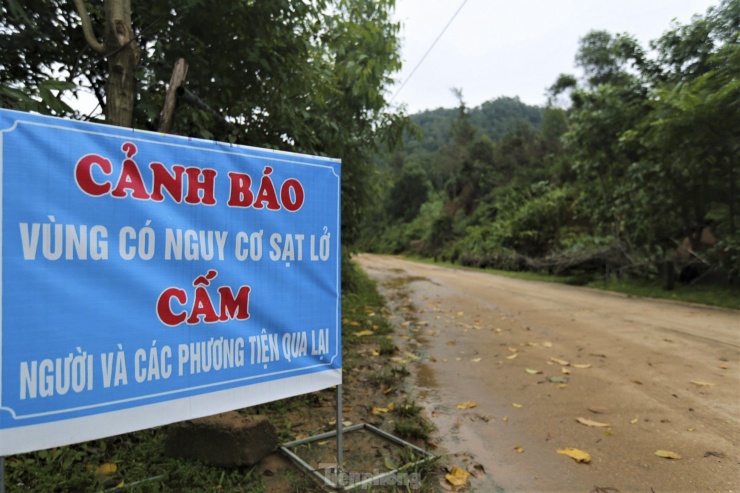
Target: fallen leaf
(389, 464)
(391, 406)
(604, 489)
(576, 454)
(516, 405)
(457, 476)
(589, 422)
(691, 429)
(581, 365)
(364, 333)
(379, 410)
(518, 450)
(561, 362)
(532, 371)
(557, 379)
(719, 455)
(512, 356)
(107, 469)
(512, 349)
(460, 314)
(699, 383)
(498, 330)
(633, 421)
(476, 360)
(637, 382)
(467, 405)
(668, 340)
(451, 343)
(667, 454)
(597, 409)
(724, 366)
(412, 356)
(374, 352)
(565, 371)
(547, 344)
(505, 419)
(531, 344)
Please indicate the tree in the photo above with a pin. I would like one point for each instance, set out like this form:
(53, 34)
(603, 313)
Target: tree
(121, 49)
(284, 74)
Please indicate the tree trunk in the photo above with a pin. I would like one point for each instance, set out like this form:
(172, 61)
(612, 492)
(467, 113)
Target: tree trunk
(123, 57)
(122, 51)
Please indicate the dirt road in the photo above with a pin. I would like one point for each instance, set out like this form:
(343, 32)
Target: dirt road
(661, 375)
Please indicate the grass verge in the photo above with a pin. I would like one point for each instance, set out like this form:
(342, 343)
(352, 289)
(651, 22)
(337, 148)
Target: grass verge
(712, 295)
(135, 462)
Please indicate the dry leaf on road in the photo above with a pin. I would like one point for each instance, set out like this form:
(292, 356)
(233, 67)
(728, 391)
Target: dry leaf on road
(589, 422)
(457, 476)
(699, 383)
(532, 371)
(467, 405)
(667, 454)
(560, 361)
(576, 454)
(582, 365)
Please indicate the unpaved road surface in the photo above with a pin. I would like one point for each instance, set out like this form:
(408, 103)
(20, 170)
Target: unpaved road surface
(479, 335)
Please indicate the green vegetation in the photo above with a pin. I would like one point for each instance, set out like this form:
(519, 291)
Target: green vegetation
(629, 173)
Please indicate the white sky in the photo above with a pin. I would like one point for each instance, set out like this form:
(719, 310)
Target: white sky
(513, 48)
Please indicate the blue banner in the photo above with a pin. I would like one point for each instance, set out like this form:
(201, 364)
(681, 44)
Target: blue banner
(148, 279)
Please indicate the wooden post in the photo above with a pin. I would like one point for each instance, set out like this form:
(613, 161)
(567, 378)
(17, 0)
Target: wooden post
(178, 77)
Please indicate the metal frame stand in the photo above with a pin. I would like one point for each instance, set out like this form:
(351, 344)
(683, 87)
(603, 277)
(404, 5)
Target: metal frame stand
(338, 471)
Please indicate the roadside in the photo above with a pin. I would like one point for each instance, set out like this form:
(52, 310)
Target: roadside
(507, 367)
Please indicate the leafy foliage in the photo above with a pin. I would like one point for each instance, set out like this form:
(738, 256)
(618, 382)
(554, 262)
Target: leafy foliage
(644, 155)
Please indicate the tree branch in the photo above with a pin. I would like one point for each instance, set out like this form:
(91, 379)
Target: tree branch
(87, 28)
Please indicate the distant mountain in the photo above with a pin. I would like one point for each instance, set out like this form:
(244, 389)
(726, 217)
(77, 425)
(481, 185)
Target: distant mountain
(493, 118)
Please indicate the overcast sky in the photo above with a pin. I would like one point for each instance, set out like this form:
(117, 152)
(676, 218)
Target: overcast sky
(512, 48)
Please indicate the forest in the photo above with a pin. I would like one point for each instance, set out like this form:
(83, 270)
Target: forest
(630, 169)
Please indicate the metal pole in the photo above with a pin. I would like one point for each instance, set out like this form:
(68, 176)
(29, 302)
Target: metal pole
(340, 458)
(2, 474)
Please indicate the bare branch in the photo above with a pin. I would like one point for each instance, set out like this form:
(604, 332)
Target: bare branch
(87, 28)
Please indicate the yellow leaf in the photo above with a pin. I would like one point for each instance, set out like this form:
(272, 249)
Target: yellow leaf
(589, 422)
(512, 356)
(667, 454)
(467, 405)
(518, 450)
(633, 421)
(699, 383)
(412, 356)
(532, 371)
(512, 349)
(498, 330)
(379, 410)
(531, 344)
(516, 405)
(505, 419)
(476, 360)
(374, 352)
(561, 362)
(364, 333)
(457, 476)
(107, 469)
(576, 454)
(391, 406)
(547, 344)
(565, 371)
(583, 365)
(724, 366)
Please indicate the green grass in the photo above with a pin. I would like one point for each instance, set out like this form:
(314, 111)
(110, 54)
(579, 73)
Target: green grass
(139, 459)
(712, 295)
(721, 296)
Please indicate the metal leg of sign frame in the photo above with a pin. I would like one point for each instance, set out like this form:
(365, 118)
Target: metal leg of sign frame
(2, 474)
(338, 472)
